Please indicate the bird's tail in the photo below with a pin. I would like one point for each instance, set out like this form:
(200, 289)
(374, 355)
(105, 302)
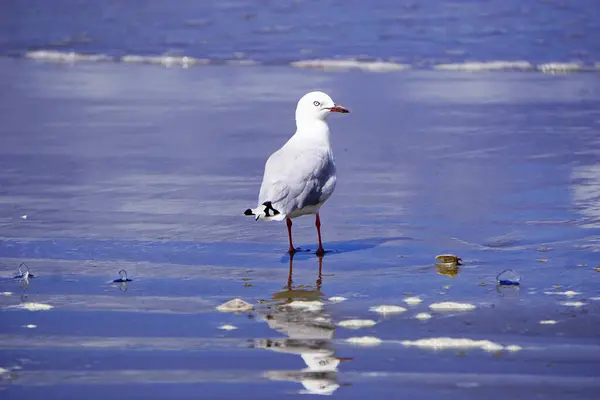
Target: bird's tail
(265, 211)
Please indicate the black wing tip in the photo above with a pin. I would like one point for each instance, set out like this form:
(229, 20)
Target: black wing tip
(269, 206)
(248, 212)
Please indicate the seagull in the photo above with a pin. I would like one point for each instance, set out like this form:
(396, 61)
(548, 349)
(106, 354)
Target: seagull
(300, 176)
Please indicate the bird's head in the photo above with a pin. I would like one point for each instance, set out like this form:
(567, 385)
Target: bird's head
(317, 106)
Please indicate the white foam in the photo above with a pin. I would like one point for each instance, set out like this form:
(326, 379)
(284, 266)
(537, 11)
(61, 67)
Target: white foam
(412, 300)
(228, 327)
(341, 65)
(30, 326)
(452, 306)
(34, 306)
(561, 67)
(595, 298)
(452, 343)
(364, 341)
(387, 309)
(357, 323)
(24, 216)
(306, 305)
(423, 316)
(513, 347)
(242, 63)
(573, 303)
(167, 61)
(547, 322)
(6, 293)
(235, 305)
(68, 57)
(486, 66)
(337, 299)
(568, 293)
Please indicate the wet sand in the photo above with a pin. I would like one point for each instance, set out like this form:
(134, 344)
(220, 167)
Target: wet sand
(149, 170)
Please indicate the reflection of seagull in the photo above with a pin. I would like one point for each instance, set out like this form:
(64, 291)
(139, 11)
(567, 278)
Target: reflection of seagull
(309, 332)
(300, 176)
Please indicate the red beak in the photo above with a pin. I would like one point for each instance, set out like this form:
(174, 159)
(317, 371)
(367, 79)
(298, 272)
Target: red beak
(339, 108)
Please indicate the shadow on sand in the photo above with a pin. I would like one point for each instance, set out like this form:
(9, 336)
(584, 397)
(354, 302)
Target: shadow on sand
(348, 246)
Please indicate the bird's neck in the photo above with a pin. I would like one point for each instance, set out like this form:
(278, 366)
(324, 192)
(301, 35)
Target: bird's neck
(314, 129)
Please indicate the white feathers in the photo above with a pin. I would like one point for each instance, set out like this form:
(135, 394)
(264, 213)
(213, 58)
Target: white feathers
(300, 176)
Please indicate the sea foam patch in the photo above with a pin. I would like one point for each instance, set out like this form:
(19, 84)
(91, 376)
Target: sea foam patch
(443, 343)
(364, 341)
(306, 305)
(65, 57)
(557, 67)
(423, 316)
(165, 60)
(412, 300)
(568, 293)
(357, 323)
(452, 306)
(373, 66)
(30, 306)
(387, 309)
(337, 299)
(486, 66)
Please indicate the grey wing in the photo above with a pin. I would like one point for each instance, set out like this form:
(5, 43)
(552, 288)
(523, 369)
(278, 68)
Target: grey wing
(293, 181)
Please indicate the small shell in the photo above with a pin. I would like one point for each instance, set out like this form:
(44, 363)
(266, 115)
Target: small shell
(448, 259)
(450, 270)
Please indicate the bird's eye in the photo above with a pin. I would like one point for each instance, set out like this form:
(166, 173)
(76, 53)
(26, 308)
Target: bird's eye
(316, 103)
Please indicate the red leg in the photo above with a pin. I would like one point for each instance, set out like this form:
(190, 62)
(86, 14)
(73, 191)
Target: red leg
(320, 250)
(320, 276)
(292, 249)
(289, 283)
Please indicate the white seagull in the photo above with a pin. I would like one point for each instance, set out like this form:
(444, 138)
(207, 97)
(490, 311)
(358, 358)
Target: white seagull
(300, 176)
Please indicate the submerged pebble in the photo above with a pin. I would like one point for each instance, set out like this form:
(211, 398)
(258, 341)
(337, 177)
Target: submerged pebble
(412, 300)
(387, 309)
(452, 343)
(364, 341)
(357, 323)
(452, 306)
(423, 316)
(337, 299)
(235, 305)
(227, 327)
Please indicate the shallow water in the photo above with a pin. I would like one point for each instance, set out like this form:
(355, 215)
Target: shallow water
(149, 170)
